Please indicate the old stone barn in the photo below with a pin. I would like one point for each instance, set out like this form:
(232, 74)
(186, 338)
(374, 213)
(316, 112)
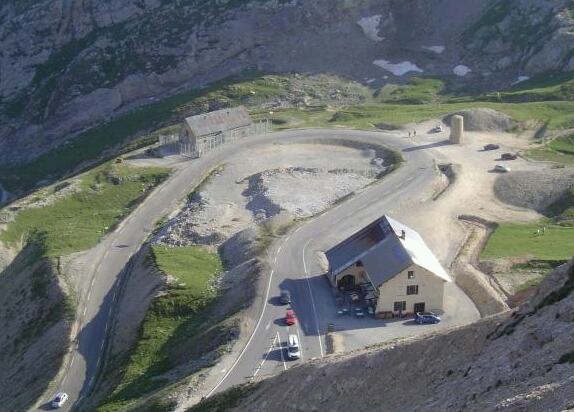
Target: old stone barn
(203, 132)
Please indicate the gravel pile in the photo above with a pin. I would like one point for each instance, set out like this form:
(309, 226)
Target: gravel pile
(533, 190)
(302, 192)
(483, 120)
(199, 223)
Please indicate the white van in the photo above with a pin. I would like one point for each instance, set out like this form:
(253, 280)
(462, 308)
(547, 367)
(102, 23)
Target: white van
(293, 350)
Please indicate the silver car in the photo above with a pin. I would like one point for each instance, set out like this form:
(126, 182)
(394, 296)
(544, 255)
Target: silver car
(60, 399)
(501, 168)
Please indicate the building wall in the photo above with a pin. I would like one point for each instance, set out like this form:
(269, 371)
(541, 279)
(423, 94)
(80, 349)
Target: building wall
(186, 136)
(431, 291)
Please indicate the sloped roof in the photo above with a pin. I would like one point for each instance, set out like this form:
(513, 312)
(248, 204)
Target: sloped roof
(219, 121)
(383, 252)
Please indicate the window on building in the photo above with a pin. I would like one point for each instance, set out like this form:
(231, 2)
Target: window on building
(411, 274)
(413, 290)
(400, 306)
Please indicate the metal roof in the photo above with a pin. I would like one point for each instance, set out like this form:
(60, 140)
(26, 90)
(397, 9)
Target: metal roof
(383, 252)
(219, 121)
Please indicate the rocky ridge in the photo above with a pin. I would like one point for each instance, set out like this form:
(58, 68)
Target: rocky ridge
(66, 65)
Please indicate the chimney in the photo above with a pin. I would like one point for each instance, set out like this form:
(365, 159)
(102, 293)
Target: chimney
(403, 234)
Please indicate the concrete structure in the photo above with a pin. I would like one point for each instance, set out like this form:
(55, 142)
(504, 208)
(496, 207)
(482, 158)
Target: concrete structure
(392, 266)
(457, 129)
(203, 132)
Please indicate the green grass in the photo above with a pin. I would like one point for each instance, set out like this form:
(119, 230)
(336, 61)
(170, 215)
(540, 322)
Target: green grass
(418, 91)
(556, 114)
(170, 322)
(547, 87)
(559, 150)
(520, 240)
(78, 221)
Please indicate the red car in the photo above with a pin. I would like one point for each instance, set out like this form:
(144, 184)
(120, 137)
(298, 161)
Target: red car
(290, 318)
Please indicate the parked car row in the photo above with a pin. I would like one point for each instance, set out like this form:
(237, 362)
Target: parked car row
(501, 168)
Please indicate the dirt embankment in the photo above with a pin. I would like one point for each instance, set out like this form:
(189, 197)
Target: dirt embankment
(36, 319)
(513, 361)
(482, 289)
(533, 190)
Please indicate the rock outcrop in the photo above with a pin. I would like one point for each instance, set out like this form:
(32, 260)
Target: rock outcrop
(66, 65)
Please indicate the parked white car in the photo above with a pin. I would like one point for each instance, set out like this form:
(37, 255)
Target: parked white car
(502, 168)
(293, 350)
(60, 399)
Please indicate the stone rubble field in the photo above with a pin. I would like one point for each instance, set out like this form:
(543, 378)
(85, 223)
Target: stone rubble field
(286, 178)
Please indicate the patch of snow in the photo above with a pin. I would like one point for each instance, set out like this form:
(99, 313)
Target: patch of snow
(371, 81)
(370, 26)
(521, 79)
(398, 69)
(461, 70)
(435, 49)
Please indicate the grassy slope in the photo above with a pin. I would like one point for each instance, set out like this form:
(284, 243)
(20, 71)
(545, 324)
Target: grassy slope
(423, 98)
(170, 322)
(93, 143)
(522, 240)
(78, 221)
(558, 114)
(519, 240)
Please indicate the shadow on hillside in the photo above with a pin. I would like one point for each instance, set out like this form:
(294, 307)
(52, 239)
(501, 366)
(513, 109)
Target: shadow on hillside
(35, 338)
(428, 146)
(91, 341)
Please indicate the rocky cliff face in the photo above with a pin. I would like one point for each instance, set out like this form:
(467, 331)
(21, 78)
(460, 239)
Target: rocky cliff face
(68, 64)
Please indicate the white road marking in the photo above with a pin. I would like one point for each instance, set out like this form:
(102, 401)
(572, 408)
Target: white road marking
(282, 354)
(250, 338)
(300, 343)
(279, 249)
(312, 300)
(268, 325)
(298, 229)
(260, 366)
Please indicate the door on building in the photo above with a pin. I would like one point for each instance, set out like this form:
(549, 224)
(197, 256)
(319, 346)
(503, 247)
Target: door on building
(419, 307)
(347, 282)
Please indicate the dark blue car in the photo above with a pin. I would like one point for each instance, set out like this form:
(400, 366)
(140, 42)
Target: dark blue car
(426, 317)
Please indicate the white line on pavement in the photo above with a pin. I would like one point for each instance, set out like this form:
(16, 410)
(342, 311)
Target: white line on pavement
(282, 354)
(300, 343)
(250, 338)
(260, 366)
(279, 249)
(312, 300)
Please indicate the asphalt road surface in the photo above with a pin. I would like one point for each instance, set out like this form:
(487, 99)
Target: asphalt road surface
(295, 268)
(292, 265)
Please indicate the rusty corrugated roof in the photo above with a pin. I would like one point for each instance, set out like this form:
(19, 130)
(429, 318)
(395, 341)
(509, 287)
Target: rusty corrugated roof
(219, 121)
